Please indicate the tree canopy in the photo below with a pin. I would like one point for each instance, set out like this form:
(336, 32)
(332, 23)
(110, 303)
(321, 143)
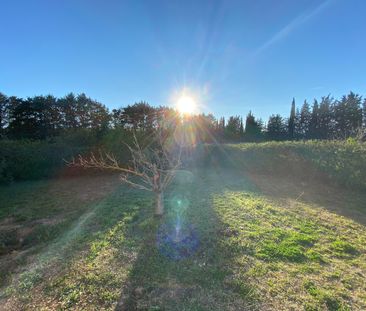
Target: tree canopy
(42, 117)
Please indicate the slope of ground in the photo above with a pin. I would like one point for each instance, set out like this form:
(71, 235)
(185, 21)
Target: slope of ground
(265, 243)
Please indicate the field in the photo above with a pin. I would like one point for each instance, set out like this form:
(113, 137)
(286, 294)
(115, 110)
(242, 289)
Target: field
(272, 230)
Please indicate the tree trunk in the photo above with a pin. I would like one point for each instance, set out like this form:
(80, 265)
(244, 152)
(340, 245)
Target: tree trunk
(159, 208)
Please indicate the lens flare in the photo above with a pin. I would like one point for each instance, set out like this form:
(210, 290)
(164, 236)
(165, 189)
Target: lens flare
(177, 241)
(177, 237)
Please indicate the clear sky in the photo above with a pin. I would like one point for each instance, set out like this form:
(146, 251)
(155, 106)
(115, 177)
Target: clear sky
(235, 56)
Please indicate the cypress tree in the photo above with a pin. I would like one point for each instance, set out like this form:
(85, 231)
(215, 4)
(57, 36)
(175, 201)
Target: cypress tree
(364, 114)
(291, 121)
(241, 128)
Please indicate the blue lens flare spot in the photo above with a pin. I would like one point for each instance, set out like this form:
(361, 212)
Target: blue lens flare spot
(177, 242)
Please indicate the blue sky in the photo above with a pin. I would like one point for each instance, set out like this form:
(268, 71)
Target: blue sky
(235, 56)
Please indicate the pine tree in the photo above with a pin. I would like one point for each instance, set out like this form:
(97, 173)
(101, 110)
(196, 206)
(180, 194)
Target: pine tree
(354, 113)
(305, 117)
(253, 128)
(362, 135)
(348, 115)
(276, 128)
(325, 117)
(221, 128)
(297, 124)
(222, 123)
(232, 129)
(314, 121)
(4, 114)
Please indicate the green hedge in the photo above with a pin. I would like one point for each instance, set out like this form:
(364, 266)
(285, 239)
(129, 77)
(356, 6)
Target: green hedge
(36, 159)
(342, 161)
(24, 160)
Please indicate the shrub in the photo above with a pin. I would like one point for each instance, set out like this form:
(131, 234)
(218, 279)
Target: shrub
(343, 161)
(25, 160)
(36, 159)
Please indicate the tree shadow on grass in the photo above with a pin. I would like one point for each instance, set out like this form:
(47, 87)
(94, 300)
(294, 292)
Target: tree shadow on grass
(203, 278)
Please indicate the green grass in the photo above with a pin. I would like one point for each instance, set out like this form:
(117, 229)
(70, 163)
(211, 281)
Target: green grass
(257, 251)
(289, 247)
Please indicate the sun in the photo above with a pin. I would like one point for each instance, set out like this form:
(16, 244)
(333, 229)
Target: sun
(186, 105)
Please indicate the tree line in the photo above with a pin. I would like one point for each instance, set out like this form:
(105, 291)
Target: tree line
(42, 117)
(325, 119)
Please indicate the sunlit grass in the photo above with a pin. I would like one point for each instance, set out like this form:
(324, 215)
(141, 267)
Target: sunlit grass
(286, 249)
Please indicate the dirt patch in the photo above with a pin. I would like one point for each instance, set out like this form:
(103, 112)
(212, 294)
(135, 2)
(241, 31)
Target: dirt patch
(140, 298)
(13, 234)
(85, 188)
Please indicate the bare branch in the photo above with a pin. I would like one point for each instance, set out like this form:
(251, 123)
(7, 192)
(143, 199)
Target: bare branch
(151, 169)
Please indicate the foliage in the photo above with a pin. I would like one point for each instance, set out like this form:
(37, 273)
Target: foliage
(342, 161)
(25, 159)
(253, 129)
(276, 128)
(42, 117)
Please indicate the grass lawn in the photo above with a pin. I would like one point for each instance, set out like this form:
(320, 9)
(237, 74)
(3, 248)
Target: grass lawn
(264, 243)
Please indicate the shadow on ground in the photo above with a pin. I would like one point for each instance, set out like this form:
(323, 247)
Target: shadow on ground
(207, 280)
(204, 279)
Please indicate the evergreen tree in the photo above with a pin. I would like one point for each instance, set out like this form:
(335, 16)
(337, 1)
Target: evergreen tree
(138, 116)
(23, 119)
(276, 128)
(232, 129)
(291, 121)
(325, 117)
(297, 124)
(4, 114)
(354, 113)
(364, 114)
(253, 128)
(67, 106)
(220, 131)
(314, 121)
(241, 128)
(305, 117)
(347, 115)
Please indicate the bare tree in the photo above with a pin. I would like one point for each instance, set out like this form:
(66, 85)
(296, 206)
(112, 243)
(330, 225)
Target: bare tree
(151, 168)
